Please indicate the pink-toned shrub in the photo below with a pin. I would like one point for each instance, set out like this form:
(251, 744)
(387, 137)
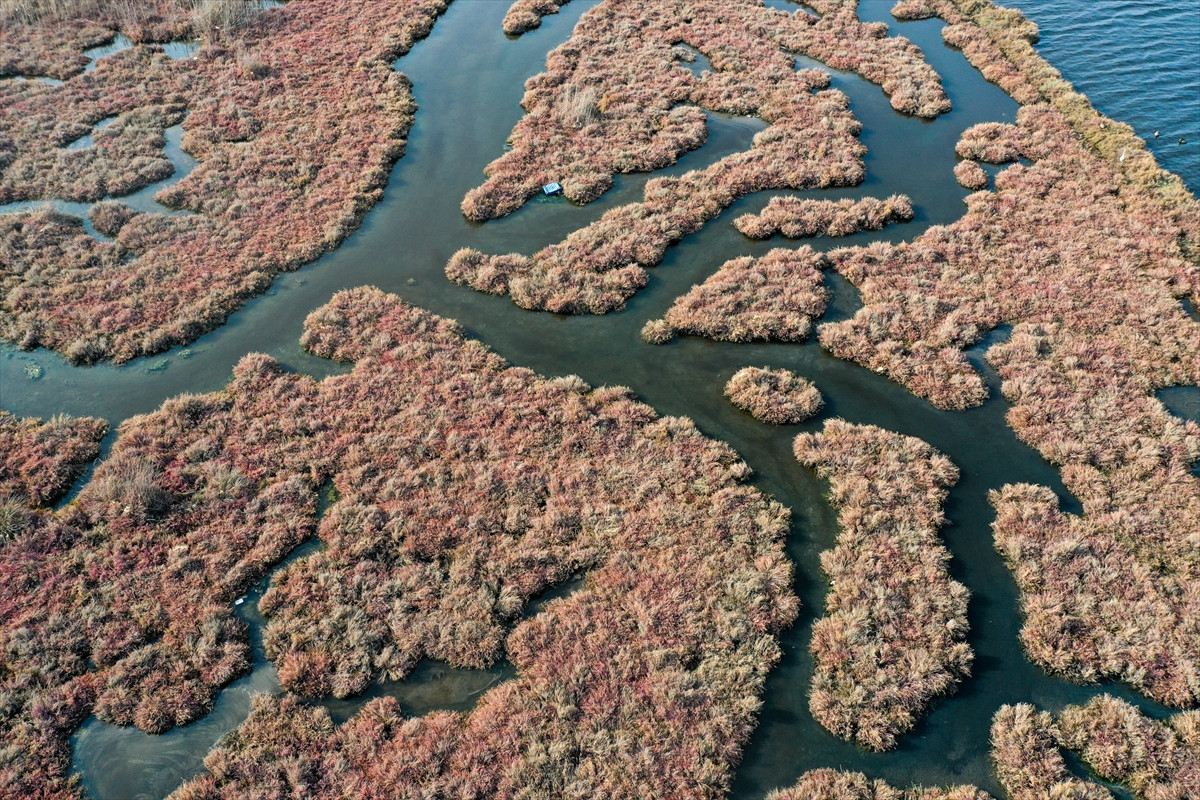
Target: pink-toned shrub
(40, 460)
(894, 637)
(775, 297)
(970, 175)
(623, 54)
(109, 216)
(1157, 760)
(831, 784)
(910, 10)
(657, 331)
(641, 114)
(797, 218)
(777, 397)
(1028, 762)
(525, 15)
(466, 487)
(286, 172)
(1124, 746)
(1088, 268)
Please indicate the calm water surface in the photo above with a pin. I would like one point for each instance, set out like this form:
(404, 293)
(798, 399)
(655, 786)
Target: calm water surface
(466, 113)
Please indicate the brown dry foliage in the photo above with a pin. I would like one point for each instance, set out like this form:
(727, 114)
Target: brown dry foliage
(777, 397)
(831, 784)
(466, 487)
(1157, 760)
(40, 460)
(774, 297)
(648, 114)
(894, 637)
(295, 119)
(797, 218)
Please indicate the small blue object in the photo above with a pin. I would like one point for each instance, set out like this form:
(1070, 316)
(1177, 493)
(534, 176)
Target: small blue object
(552, 188)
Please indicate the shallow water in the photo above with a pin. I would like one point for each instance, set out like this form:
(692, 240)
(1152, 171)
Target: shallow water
(465, 115)
(1138, 61)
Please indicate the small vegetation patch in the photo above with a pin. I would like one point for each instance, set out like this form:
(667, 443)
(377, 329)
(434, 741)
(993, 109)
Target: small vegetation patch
(832, 784)
(39, 461)
(777, 397)
(797, 218)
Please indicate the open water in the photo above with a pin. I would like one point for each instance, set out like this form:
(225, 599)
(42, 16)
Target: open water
(468, 80)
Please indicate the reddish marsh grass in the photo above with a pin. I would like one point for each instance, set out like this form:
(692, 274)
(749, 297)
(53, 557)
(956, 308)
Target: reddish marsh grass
(894, 637)
(1157, 760)
(647, 114)
(970, 175)
(777, 397)
(797, 218)
(1088, 268)
(40, 460)
(525, 15)
(775, 297)
(466, 487)
(1027, 759)
(831, 784)
(295, 119)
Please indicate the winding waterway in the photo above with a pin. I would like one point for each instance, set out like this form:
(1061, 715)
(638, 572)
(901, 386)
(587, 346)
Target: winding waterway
(468, 80)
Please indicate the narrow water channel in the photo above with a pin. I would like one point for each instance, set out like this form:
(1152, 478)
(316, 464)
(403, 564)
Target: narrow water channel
(468, 80)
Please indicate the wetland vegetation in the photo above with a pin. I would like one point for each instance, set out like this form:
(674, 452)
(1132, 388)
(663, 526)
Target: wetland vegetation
(397, 563)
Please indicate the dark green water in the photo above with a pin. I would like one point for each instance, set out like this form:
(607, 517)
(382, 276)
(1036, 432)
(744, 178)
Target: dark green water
(468, 79)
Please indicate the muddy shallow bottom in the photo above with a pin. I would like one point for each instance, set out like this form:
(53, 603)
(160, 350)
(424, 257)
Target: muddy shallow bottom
(468, 78)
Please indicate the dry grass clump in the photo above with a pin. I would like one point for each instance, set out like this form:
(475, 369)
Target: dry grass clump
(777, 397)
(39, 461)
(1157, 760)
(912, 10)
(466, 487)
(797, 218)
(1088, 268)
(525, 15)
(970, 175)
(285, 172)
(832, 784)
(646, 118)
(1027, 759)
(647, 114)
(775, 297)
(1124, 746)
(657, 331)
(894, 637)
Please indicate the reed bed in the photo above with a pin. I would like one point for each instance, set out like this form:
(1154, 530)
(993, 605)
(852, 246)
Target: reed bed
(970, 175)
(832, 784)
(647, 113)
(776, 397)
(1028, 762)
(798, 218)
(1156, 760)
(1088, 269)
(466, 487)
(525, 15)
(295, 118)
(776, 297)
(39, 461)
(894, 637)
